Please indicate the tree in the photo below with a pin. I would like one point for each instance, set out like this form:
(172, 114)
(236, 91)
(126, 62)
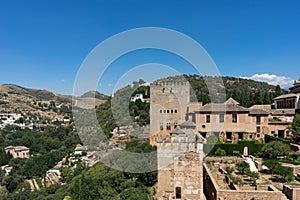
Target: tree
(243, 167)
(229, 170)
(276, 168)
(253, 176)
(220, 152)
(3, 193)
(278, 91)
(273, 165)
(276, 148)
(295, 128)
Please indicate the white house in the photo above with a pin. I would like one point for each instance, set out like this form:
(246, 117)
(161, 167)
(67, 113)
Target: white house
(136, 97)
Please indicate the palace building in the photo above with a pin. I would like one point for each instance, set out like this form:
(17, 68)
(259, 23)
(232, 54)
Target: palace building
(170, 107)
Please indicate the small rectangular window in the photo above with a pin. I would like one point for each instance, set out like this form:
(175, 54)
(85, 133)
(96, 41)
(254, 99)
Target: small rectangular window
(229, 135)
(241, 136)
(234, 118)
(207, 118)
(258, 119)
(221, 118)
(178, 192)
(258, 129)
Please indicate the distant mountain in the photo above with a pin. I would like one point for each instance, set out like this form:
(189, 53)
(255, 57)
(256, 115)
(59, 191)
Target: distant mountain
(44, 103)
(90, 99)
(95, 94)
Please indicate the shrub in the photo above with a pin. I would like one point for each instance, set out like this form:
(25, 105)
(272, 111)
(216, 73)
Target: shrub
(220, 152)
(269, 138)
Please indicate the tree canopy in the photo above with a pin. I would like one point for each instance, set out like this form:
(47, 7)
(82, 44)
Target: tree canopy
(275, 149)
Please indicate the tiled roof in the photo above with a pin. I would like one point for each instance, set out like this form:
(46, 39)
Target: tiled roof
(222, 107)
(277, 112)
(258, 112)
(17, 148)
(189, 134)
(232, 101)
(177, 131)
(263, 107)
(284, 96)
(188, 123)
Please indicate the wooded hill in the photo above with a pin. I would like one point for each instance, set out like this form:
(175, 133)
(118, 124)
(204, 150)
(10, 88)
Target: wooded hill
(247, 92)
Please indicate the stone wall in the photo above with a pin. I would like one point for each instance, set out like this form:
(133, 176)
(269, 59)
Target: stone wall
(229, 160)
(185, 173)
(213, 192)
(295, 168)
(292, 192)
(248, 195)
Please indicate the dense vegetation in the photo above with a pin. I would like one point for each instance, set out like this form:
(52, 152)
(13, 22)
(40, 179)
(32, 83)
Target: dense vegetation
(102, 182)
(247, 92)
(295, 127)
(119, 111)
(46, 147)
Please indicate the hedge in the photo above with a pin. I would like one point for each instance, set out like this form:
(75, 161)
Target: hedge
(269, 138)
(234, 149)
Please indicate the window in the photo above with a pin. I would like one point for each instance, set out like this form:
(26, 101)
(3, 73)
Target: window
(258, 129)
(161, 126)
(164, 111)
(228, 135)
(258, 135)
(221, 118)
(168, 111)
(172, 111)
(207, 118)
(175, 125)
(163, 90)
(241, 136)
(160, 111)
(258, 119)
(175, 111)
(178, 192)
(234, 118)
(168, 126)
(250, 136)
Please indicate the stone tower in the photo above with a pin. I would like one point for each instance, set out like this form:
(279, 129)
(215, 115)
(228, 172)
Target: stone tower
(168, 105)
(180, 169)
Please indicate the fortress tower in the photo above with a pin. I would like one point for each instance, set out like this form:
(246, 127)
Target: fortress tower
(168, 106)
(180, 170)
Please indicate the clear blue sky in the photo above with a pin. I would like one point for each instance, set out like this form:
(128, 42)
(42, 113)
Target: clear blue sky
(44, 42)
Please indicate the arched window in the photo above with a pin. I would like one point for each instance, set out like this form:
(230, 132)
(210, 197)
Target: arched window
(168, 126)
(161, 127)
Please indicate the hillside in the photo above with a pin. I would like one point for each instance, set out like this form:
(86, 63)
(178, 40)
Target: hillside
(33, 102)
(42, 105)
(247, 92)
(95, 94)
(89, 99)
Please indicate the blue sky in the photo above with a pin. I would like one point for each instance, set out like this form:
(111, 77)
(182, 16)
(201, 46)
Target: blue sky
(43, 43)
